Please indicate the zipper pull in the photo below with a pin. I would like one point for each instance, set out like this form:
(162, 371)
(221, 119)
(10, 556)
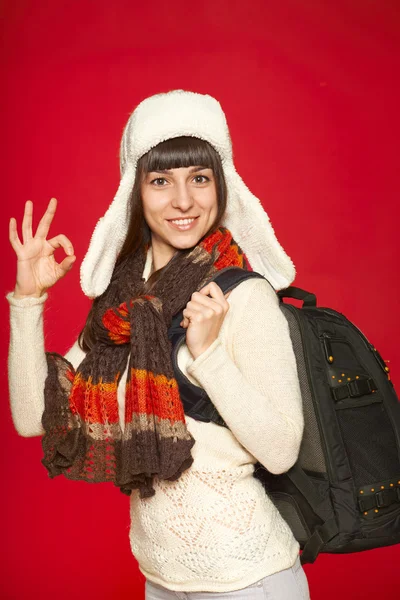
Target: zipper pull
(327, 348)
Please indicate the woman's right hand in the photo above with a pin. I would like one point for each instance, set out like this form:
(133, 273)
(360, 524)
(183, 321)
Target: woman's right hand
(37, 269)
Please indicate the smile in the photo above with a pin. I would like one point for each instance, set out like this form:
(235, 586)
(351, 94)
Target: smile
(183, 224)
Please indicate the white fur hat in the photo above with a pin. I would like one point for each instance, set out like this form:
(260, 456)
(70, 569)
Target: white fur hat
(158, 118)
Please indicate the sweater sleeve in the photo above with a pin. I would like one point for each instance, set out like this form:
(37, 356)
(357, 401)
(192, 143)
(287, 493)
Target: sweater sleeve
(27, 364)
(255, 388)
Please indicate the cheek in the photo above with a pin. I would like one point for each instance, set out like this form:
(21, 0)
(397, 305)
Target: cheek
(147, 213)
(210, 201)
(153, 206)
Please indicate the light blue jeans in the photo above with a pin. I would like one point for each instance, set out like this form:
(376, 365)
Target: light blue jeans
(289, 584)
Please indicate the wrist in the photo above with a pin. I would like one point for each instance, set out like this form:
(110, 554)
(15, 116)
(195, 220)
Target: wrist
(27, 300)
(18, 295)
(196, 352)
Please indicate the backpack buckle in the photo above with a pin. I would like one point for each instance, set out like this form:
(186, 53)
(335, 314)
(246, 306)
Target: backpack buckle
(380, 499)
(354, 389)
(360, 387)
(376, 500)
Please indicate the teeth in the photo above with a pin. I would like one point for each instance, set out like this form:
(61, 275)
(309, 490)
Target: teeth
(182, 221)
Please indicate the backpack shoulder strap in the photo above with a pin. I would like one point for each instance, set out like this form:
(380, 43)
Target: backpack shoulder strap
(227, 279)
(230, 277)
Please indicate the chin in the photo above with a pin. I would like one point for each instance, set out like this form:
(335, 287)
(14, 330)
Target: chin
(183, 242)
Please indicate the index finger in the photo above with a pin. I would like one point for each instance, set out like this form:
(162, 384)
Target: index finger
(213, 290)
(45, 221)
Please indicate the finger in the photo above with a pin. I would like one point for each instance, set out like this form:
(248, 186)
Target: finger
(27, 221)
(13, 235)
(184, 323)
(215, 292)
(214, 303)
(208, 310)
(187, 318)
(45, 221)
(61, 240)
(195, 317)
(198, 315)
(66, 264)
(185, 314)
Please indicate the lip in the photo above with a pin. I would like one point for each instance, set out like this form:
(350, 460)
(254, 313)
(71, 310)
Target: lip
(183, 227)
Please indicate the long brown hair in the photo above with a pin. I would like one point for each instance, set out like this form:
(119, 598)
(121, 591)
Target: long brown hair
(184, 151)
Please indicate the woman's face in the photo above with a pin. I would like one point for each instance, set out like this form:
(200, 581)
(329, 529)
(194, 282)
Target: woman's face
(180, 206)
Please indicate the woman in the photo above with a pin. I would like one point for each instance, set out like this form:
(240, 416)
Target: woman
(201, 523)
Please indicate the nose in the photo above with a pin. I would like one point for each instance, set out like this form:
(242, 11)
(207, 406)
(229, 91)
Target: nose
(182, 197)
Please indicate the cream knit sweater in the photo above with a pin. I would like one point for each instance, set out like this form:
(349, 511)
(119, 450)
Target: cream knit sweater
(214, 529)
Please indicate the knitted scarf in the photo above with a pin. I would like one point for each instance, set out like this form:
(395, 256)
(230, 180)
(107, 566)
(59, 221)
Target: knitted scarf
(83, 439)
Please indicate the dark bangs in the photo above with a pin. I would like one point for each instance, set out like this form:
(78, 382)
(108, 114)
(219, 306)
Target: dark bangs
(184, 151)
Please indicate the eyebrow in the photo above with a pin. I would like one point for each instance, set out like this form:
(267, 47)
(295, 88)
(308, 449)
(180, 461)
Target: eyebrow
(167, 171)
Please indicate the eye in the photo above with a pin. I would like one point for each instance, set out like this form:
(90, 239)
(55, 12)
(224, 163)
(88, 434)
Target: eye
(158, 179)
(158, 182)
(202, 177)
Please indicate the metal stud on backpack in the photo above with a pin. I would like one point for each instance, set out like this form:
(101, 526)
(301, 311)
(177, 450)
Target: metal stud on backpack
(343, 493)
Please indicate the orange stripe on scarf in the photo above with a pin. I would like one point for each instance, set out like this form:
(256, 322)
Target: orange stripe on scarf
(147, 393)
(94, 403)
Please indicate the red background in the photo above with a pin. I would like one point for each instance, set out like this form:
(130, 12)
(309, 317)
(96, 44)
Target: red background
(311, 94)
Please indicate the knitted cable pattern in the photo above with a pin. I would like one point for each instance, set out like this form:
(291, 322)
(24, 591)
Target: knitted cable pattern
(83, 439)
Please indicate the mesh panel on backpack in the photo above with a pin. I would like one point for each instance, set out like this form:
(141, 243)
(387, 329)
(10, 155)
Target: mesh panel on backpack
(311, 456)
(370, 443)
(291, 515)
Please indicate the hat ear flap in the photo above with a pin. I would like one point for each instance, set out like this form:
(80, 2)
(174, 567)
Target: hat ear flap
(108, 238)
(251, 228)
(124, 145)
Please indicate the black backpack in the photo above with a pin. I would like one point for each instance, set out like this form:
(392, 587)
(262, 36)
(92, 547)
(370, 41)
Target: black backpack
(343, 493)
